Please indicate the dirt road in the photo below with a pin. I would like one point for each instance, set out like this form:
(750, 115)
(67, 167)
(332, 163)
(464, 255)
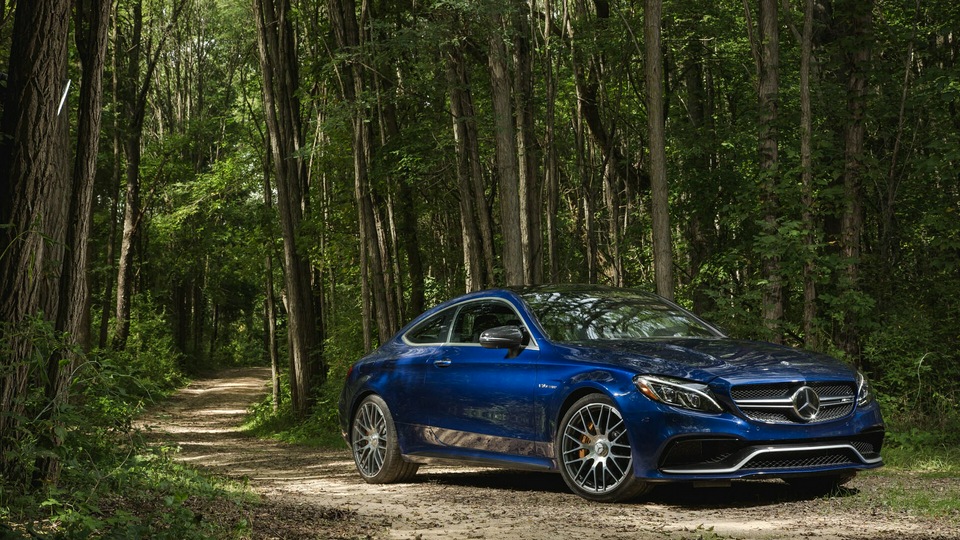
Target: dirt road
(318, 494)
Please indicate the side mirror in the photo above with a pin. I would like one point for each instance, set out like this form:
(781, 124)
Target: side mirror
(510, 337)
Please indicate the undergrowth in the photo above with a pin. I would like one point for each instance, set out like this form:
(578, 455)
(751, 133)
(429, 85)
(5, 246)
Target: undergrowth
(143, 495)
(110, 483)
(319, 429)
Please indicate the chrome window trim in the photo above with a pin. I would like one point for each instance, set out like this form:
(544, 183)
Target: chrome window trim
(533, 345)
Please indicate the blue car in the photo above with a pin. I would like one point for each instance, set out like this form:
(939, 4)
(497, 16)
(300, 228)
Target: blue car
(615, 389)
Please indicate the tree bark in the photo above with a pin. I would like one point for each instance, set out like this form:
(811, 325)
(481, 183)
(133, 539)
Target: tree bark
(278, 62)
(810, 336)
(768, 90)
(506, 154)
(354, 84)
(269, 298)
(461, 108)
(551, 166)
(34, 192)
(109, 296)
(660, 194)
(860, 16)
(134, 91)
(528, 176)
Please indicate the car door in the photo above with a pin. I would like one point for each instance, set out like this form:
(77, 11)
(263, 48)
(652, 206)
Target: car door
(403, 386)
(479, 398)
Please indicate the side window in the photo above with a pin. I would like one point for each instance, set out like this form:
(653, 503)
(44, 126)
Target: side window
(432, 330)
(474, 318)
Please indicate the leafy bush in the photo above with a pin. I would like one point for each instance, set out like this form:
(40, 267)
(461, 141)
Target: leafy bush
(111, 484)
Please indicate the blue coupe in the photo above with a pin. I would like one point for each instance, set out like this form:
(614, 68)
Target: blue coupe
(616, 389)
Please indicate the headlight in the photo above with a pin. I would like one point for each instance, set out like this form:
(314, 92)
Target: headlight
(864, 391)
(678, 393)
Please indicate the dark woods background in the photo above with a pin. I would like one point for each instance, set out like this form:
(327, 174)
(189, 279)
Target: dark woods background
(232, 182)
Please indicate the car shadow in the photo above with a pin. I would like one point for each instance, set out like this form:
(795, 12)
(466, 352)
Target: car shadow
(738, 494)
(498, 479)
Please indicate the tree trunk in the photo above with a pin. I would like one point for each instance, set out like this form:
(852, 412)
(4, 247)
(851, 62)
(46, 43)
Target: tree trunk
(506, 152)
(269, 298)
(659, 189)
(768, 90)
(108, 301)
(73, 316)
(278, 62)
(551, 167)
(611, 198)
(461, 109)
(528, 177)
(374, 279)
(93, 18)
(810, 336)
(860, 16)
(34, 192)
(133, 109)
(586, 202)
(133, 96)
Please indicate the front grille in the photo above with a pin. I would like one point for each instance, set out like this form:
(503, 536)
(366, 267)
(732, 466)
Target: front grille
(828, 460)
(774, 404)
(863, 447)
(739, 457)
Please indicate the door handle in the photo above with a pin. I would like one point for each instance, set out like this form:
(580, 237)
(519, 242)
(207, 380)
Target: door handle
(443, 363)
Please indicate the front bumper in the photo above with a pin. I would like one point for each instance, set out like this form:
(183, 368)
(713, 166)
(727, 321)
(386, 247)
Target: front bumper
(675, 445)
(717, 457)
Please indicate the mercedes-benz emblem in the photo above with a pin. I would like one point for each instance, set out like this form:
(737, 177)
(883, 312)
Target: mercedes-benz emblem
(806, 403)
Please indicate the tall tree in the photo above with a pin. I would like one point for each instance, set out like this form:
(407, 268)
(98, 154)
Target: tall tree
(768, 86)
(506, 151)
(35, 193)
(810, 337)
(278, 63)
(134, 89)
(92, 19)
(659, 188)
(528, 184)
(551, 173)
(858, 18)
(469, 173)
(375, 299)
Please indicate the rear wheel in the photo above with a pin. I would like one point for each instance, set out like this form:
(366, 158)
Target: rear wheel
(375, 448)
(596, 459)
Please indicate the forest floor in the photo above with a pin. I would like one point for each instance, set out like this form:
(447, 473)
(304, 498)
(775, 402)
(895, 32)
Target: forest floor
(310, 493)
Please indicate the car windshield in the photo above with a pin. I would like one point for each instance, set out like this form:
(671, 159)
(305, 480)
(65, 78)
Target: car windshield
(591, 315)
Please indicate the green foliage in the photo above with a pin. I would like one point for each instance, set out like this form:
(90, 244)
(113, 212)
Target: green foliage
(342, 348)
(33, 422)
(111, 484)
(141, 494)
(923, 448)
(319, 429)
(151, 358)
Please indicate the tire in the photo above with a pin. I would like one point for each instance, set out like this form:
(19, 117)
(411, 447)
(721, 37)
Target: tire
(594, 453)
(815, 486)
(373, 439)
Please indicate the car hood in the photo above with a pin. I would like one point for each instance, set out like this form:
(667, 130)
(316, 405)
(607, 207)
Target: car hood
(706, 359)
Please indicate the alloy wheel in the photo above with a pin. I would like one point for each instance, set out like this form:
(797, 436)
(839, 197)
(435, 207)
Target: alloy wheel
(370, 439)
(594, 448)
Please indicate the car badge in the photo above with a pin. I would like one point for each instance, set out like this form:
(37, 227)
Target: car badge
(806, 403)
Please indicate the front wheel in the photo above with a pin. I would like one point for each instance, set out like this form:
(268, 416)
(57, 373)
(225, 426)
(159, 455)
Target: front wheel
(595, 456)
(375, 448)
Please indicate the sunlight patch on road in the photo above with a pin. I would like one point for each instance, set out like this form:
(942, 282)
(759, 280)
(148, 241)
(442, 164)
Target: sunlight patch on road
(211, 412)
(194, 429)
